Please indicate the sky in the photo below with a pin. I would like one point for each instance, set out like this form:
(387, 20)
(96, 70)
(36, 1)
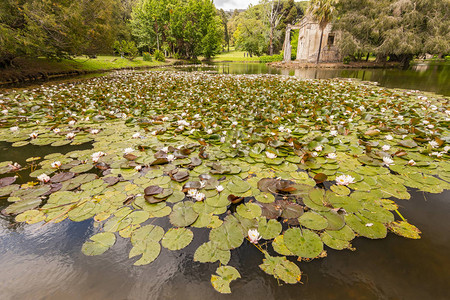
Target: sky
(232, 4)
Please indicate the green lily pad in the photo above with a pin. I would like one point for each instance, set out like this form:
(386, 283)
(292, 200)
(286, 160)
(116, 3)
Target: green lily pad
(209, 252)
(177, 238)
(183, 214)
(99, 243)
(405, 229)
(249, 210)
(269, 229)
(313, 221)
(303, 243)
(280, 268)
(221, 281)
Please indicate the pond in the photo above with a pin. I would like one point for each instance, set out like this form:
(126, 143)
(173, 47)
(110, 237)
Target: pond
(431, 77)
(45, 261)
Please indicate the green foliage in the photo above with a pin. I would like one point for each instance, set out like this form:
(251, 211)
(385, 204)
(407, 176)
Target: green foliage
(126, 49)
(189, 28)
(159, 55)
(270, 58)
(346, 60)
(396, 28)
(146, 56)
(59, 29)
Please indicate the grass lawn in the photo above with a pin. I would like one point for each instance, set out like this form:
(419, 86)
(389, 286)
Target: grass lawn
(235, 56)
(31, 67)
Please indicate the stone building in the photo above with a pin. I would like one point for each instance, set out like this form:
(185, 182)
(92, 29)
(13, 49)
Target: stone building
(308, 42)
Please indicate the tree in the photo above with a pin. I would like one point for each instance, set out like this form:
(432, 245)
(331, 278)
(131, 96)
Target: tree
(399, 29)
(322, 11)
(273, 12)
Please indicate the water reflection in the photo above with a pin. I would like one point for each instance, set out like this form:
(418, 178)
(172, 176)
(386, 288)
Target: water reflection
(425, 77)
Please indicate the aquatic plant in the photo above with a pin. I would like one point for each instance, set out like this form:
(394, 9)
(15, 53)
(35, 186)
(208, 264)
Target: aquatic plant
(297, 167)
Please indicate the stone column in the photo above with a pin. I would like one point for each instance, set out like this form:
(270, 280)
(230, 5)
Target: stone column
(287, 45)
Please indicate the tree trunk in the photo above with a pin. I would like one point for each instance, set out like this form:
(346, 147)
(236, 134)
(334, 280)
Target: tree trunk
(271, 40)
(320, 47)
(367, 58)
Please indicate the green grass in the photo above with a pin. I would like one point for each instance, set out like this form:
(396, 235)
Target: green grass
(235, 56)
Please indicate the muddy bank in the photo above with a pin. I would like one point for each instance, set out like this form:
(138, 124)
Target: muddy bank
(25, 71)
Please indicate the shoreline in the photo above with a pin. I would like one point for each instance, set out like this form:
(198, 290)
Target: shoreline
(335, 65)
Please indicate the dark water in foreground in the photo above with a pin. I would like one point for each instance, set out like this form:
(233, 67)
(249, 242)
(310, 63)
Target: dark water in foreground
(46, 262)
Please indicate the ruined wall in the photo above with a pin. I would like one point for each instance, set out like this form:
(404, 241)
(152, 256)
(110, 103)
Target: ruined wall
(309, 40)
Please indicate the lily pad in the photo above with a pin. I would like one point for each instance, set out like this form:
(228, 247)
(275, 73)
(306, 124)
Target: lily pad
(177, 238)
(221, 281)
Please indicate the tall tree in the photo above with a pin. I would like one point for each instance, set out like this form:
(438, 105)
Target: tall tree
(274, 13)
(322, 11)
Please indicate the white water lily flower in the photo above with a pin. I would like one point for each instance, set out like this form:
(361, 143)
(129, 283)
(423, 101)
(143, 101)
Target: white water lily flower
(369, 224)
(388, 161)
(95, 131)
(5, 111)
(434, 144)
(182, 123)
(271, 155)
(437, 154)
(96, 156)
(318, 148)
(253, 236)
(446, 148)
(72, 122)
(219, 188)
(386, 147)
(170, 157)
(56, 130)
(33, 135)
(14, 128)
(165, 119)
(138, 168)
(199, 197)
(234, 123)
(430, 126)
(222, 139)
(165, 149)
(70, 135)
(344, 180)
(332, 156)
(411, 162)
(314, 154)
(154, 132)
(43, 178)
(56, 164)
(389, 137)
(333, 132)
(209, 131)
(136, 135)
(128, 150)
(192, 193)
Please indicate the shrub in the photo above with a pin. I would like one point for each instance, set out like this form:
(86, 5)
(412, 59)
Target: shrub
(270, 58)
(159, 55)
(146, 56)
(347, 60)
(176, 56)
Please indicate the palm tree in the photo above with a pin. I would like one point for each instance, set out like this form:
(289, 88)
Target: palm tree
(322, 11)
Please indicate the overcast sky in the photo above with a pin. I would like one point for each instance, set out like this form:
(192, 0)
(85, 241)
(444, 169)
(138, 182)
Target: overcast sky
(232, 4)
